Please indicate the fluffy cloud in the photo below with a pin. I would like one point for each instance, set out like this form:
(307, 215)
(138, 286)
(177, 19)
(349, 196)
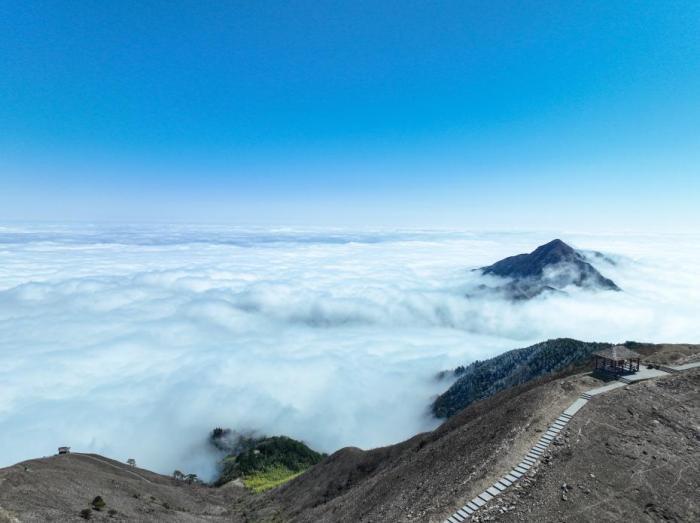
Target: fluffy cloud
(134, 342)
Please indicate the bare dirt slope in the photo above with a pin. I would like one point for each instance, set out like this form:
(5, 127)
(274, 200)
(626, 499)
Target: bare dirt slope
(641, 444)
(426, 477)
(59, 487)
(668, 353)
(630, 455)
(421, 479)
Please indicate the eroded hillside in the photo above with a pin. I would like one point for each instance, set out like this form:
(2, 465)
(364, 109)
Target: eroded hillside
(631, 454)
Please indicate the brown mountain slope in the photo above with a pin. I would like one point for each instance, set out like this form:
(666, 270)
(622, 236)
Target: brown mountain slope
(59, 487)
(426, 477)
(421, 479)
(642, 468)
(630, 455)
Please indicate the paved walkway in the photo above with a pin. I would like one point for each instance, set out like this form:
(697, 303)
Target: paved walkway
(644, 374)
(686, 366)
(552, 431)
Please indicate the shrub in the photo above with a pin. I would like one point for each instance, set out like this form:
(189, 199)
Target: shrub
(98, 503)
(86, 513)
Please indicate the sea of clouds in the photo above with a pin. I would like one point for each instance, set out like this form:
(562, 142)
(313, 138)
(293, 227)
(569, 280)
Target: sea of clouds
(136, 341)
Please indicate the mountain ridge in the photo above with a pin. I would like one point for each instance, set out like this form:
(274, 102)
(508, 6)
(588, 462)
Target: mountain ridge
(425, 477)
(482, 379)
(551, 267)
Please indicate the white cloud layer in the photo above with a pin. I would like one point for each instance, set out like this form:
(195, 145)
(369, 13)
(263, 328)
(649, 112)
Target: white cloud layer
(135, 342)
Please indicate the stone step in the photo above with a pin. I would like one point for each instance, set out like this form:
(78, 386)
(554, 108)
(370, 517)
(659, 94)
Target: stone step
(493, 491)
(575, 406)
(485, 496)
(462, 513)
(478, 502)
(500, 486)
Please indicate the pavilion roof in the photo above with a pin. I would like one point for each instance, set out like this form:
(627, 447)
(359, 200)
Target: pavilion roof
(618, 353)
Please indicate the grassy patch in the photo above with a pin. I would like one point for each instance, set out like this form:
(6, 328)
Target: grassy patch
(270, 460)
(267, 479)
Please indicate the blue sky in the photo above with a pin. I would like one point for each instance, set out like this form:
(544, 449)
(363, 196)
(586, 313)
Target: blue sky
(584, 115)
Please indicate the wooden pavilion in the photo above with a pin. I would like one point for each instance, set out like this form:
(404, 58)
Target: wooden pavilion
(616, 360)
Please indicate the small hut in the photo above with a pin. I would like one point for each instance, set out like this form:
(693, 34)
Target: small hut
(64, 450)
(616, 360)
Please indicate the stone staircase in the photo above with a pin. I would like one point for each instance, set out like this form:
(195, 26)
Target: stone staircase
(535, 453)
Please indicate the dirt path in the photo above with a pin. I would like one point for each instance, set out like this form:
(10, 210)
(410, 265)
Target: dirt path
(121, 469)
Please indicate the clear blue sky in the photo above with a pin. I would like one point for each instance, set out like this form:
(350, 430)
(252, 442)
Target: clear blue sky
(578, 114)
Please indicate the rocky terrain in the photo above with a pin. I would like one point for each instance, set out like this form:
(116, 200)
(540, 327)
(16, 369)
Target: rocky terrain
(61, 488)
(633, 455)
(630, 455)
(549, 268)
(423, 478)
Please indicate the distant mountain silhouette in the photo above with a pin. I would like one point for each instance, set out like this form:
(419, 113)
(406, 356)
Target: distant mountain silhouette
(549, 268)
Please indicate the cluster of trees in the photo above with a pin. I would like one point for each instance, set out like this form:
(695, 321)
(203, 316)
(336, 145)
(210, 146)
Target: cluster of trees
(482, 379)
(188, 478)
(233, 442)
(267, 453)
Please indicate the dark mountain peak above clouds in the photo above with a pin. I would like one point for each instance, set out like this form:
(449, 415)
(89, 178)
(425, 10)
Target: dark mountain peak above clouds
(534, 264)
(550, 267)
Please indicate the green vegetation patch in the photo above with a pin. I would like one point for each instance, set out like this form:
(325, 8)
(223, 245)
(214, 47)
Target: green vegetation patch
(263, 463)
(268, 479)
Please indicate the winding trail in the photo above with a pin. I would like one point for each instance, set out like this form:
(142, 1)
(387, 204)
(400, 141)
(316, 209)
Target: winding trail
(121, 469)
(535, 453)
